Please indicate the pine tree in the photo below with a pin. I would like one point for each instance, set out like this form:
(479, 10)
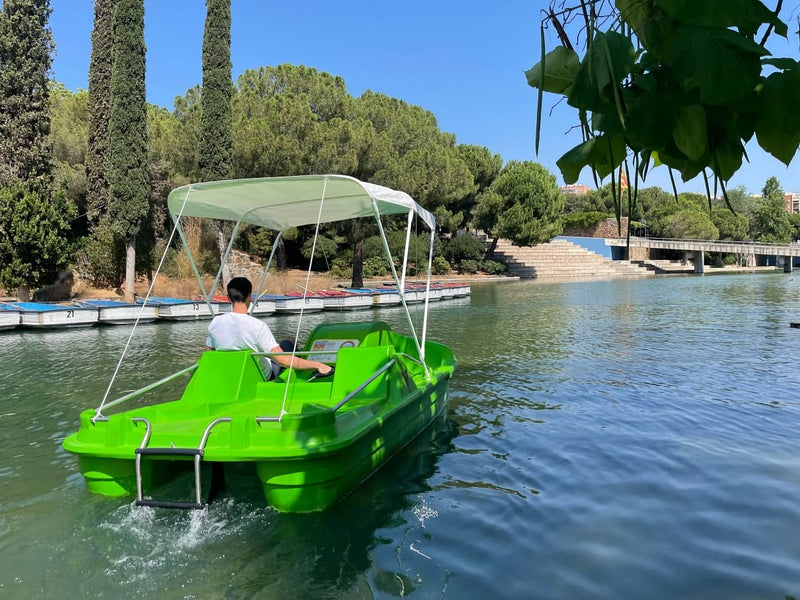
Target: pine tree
(26, 46)
(99, 106)
(216, 136)
(128, 173)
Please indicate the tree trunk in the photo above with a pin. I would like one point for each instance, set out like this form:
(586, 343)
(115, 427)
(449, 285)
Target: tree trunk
(130, 268)
(489, 255)
(24, 293)
(280, 256)
(222, 245)
(358, 265)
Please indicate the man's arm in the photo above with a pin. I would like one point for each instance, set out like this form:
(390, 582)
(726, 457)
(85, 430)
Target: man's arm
(299, 363)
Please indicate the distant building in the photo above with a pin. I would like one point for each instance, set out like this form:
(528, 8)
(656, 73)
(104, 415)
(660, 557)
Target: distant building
(792, 202)
(575, 189)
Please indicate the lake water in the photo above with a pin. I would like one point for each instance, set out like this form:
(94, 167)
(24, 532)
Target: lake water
(606, 439)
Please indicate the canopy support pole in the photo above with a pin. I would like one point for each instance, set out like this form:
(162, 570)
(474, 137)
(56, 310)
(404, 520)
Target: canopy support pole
(266, 269)
(405, 253)
(177, 228)
(395, 278)
(221, 267)
(427, 296)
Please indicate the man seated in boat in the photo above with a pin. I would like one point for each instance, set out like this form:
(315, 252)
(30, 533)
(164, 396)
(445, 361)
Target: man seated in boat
(238, 330)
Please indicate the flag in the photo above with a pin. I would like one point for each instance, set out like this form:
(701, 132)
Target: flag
(623, 181)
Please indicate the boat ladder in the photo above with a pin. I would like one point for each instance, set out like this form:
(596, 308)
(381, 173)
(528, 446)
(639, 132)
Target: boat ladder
(198, 453)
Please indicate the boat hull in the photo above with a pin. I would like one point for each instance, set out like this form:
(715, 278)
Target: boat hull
(60, 318)
(309, 447)
(9, 319)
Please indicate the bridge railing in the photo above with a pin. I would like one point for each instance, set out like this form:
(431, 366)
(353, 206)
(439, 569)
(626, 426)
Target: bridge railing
(756, 247)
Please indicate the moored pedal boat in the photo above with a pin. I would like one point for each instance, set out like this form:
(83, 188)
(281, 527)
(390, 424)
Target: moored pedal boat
(310, 438)
(344, 300)
(181, 309)
(9, 317)
(115, 312)
(43, 315)
(294, 304)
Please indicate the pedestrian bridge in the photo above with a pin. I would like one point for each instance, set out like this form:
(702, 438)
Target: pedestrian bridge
(700, 247)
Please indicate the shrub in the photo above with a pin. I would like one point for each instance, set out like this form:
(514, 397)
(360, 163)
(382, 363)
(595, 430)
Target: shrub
(468, 266)
(493, 267)
(584, 219)
(340, 272)
(440, 266)
(375, 266)
(464, 247)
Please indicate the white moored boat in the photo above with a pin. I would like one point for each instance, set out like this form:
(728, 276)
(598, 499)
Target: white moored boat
(345, 300)
(45, 315)
(258, 308)
(294, 304)
(115, 312)
(9, 318)
(180, 309)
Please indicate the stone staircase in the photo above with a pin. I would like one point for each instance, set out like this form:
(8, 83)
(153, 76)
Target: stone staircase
(562, 259)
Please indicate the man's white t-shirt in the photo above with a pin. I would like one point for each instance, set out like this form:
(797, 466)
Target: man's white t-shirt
(235, 331)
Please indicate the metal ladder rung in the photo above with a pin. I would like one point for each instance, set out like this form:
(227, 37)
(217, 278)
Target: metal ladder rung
(198, 454)
(168, 504)
(170, 451)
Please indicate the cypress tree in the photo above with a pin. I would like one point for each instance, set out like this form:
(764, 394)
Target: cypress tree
(216, 142)
(216, 136)
(34, 220)
(128, 173)
(26, 46)
(99, 106)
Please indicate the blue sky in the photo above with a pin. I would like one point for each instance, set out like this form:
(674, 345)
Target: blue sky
(464, 61)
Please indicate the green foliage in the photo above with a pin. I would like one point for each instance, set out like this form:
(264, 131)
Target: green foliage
(99, 108)
(731, 226)
(532, 204)
(325, 248)
(684, 84)
(34, 223)
(376, 266)
(440, 266)
(26, 46)
(493, 267)
(464, 247)
(689, 224)
(216, 143)
(468, 267)
(770, 222)
(128, 174)
(101, 260)
(794, 221)
(584, 219)
(257, 241)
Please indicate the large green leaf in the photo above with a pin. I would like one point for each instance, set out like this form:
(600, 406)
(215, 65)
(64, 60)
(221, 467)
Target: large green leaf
(573, 161)
(720, 63)
(560, 67)
(609, 60)
(778, 124)
(603, 153)
(747, 15)
(691, 134)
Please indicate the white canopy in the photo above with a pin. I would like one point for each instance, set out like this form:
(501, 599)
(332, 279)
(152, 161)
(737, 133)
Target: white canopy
(282, 202)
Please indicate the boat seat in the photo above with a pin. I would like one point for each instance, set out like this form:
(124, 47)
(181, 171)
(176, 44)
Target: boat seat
(224, 376)
(354, 367)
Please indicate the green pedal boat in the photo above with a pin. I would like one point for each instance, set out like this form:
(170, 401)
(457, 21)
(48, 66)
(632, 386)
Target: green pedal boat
(308, 439)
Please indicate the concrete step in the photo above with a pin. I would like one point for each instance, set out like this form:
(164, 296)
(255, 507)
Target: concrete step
(563, 259)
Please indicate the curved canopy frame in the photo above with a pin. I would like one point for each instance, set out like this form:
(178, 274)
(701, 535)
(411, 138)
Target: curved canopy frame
(282, 202)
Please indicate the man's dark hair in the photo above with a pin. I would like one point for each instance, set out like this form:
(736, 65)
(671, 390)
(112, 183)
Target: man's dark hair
(239, 289)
